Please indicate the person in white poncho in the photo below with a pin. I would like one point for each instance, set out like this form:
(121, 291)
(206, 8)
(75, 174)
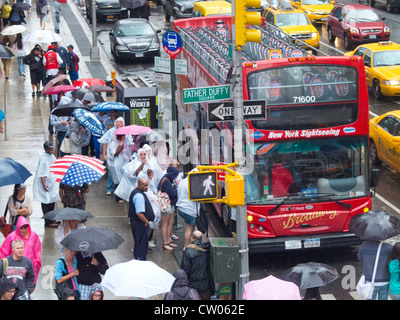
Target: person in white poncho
(45, 187)
(106, 140)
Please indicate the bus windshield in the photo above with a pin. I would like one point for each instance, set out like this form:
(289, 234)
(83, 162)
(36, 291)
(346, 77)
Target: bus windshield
(308, 170)
(299, 85)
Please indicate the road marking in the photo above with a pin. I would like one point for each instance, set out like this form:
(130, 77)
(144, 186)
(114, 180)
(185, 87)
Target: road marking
(398, 102)
(328, 296)
(387, 203)
(373, 114)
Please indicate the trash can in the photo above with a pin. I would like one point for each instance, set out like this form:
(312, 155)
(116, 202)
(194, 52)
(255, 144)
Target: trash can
(225, 260)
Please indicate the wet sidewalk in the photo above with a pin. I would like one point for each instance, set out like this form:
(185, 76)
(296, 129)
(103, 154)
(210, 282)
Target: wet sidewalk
(26, 129)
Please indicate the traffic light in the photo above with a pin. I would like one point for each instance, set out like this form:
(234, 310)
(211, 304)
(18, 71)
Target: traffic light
(243, 18)
(234, 190)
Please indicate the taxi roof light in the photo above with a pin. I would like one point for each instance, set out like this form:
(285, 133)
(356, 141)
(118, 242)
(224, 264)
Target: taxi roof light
(385, 43)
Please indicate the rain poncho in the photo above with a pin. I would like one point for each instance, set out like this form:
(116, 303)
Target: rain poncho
(129, 179)
(116, 163)
(39, 194)
(75, 139)
(32, 245)
(154, 165)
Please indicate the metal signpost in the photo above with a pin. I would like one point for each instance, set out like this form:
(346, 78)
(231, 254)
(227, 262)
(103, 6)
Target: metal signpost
(172, 44)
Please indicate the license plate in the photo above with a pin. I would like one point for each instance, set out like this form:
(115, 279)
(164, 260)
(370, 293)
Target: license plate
(324, 19)
(312, 243)
(110, 17)
(139, 55)
(372, 36)
(292, 244)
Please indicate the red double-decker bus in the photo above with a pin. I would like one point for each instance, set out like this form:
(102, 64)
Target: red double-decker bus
(310, 158)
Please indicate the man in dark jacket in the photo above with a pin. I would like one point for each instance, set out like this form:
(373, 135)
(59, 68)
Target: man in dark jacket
(140, 213)
(90, 267)
(196, 264)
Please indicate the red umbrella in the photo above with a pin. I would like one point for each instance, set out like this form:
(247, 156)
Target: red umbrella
(61, 88)
(89, 82)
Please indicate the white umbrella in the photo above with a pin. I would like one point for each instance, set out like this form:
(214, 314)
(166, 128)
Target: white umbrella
(42, 36)
(141, 279)
(13, 30)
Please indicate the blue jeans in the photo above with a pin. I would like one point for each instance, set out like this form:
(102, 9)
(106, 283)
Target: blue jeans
(380, 292)
(21, 66)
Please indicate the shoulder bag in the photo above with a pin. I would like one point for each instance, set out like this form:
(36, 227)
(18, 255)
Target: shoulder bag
(5, 228)
(365, 289)
(163, 200)
(65, 145)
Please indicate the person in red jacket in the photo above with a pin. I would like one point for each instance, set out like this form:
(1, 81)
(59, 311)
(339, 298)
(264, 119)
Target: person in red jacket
(51, 62)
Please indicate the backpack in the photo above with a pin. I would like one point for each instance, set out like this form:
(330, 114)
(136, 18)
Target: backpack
(59, 287)
(72, 196)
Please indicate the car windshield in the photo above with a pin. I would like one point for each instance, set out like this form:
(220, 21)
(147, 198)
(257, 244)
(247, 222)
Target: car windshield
(314, 2)
(386, 58)
(308, 170)
(362, 15)
(134, 30)
(292, 19)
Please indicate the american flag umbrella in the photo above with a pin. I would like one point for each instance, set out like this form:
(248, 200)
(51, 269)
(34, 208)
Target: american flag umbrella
(77, 169)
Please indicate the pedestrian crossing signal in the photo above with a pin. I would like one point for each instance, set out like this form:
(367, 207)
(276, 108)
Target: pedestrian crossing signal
(203, 185)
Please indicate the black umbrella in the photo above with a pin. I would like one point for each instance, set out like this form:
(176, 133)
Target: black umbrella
(5, 52)
(67, 109)
(87, 94)
(310, 275)
(12, 172)
(21, 6)
(92, 239)
(67, 214)
(375, 225)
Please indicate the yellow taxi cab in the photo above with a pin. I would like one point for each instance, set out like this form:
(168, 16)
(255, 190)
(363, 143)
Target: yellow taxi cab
(293, 21)
(384, 134)
(382, 67)
(211, 8)
(316, 10)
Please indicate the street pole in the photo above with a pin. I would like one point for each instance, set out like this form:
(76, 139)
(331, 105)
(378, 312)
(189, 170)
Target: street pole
(173, 109)
(94, 50)
(239, 153)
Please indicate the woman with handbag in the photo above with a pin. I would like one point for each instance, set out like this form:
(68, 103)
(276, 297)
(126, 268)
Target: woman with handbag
(167, 192)
(19, 204)
(35, 61)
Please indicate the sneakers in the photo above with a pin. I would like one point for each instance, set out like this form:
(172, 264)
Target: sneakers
(151, 244)
(109, 193)
(38, 92)
(33, 93)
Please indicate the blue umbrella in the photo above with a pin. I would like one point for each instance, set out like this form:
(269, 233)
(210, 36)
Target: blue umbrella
(12, 172)
(107, 106)
(90, 121)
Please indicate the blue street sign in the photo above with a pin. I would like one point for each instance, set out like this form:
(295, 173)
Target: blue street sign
(172, 43)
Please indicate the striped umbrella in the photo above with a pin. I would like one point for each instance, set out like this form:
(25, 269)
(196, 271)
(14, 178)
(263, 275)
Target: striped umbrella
(77, 169)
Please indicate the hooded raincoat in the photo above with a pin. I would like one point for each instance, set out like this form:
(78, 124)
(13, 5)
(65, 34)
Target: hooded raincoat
(180, 289)
(129, 178)
(32, 245)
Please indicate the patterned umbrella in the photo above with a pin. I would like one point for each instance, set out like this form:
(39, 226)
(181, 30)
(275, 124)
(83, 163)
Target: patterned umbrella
(107, 106)
(90, 121)
(76, 170)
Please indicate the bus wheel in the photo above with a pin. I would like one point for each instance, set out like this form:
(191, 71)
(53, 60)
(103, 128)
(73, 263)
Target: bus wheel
(374, 154)
(377, 90)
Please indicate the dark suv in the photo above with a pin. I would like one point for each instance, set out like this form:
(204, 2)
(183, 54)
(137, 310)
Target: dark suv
(178, 8)
(106, 10)
(356, 24)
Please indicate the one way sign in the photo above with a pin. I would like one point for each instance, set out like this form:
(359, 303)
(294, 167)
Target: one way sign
(224, 111)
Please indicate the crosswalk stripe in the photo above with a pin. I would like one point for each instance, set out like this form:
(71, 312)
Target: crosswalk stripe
(328, 296)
